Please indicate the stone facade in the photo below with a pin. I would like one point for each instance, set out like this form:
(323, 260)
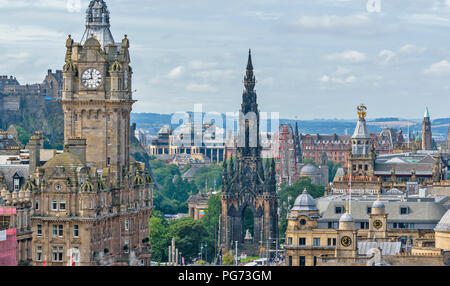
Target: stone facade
(91, 204)
(247, 187)
(309, 244)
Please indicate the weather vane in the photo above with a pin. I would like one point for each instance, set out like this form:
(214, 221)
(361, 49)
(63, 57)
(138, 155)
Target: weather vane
(362, 111)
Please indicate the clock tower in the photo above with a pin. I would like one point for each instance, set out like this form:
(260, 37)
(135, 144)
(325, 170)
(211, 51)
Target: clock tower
(346, 245)
(378, 222)
(97, 97)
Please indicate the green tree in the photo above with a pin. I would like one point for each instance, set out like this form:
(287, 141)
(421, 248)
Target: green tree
(309, 161)
(159, 237)
(288, 194)
(189, 235)
(210, 176)
(332, 169)
(228, 258)
(211, 218)
(23, 134)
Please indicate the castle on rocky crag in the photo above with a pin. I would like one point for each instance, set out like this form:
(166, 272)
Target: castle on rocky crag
(90, 205)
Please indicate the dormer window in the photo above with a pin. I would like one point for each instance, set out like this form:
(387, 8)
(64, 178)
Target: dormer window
(404, 210)
(339, 210)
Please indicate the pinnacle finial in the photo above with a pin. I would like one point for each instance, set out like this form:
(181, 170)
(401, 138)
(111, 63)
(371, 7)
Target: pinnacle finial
(249, 80)
(249, 64)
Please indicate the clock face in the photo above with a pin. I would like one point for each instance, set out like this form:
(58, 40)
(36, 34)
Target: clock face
(91, 78)
(346, 241)
(377, 224)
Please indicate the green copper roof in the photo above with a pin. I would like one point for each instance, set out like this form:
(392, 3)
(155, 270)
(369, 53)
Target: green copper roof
(427, 114)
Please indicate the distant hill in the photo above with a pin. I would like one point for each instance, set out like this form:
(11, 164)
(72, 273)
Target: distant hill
(153, 122)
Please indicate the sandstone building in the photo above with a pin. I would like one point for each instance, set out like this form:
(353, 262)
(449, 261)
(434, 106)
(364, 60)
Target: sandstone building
(369, 173)
(90, 205)
(323, 232)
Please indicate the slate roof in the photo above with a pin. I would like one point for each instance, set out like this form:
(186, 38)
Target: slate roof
(333, 139)
(444, 223)
(361, 130)
(7, 141)
(387, 248)
(8, 171)
(428, 210)
(404, 164)
(304, 202)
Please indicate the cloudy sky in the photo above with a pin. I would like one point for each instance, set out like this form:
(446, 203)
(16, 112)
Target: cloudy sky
(313, 59)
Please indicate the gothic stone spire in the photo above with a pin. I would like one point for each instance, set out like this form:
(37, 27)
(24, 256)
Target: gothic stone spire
(249, 80)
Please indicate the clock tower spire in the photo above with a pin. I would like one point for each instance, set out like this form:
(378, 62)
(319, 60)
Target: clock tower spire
(96, 97)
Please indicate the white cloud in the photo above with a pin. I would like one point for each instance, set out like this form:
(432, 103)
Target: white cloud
(347, 56)
(69, 5)
(439, 68)
(327, 21)
(428, 19)
(386, 56)
(26, 33)
(336, 79)
(410, 49)
(264, 16)
(176, 72)
(214, 75)
(325, 78)
(199, 65)
(200, 87)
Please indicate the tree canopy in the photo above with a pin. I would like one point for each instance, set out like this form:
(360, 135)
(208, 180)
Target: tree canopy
(288, 194)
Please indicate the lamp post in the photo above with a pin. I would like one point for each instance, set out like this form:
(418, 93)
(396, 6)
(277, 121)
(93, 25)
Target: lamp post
(201, 252)
(276, 251)
(206, 253)
(236, 253)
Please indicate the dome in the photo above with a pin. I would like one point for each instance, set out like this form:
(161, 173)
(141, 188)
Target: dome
(92, 42)
(165, 130)
(346, 218)
(64, 159)
(63, 165)
(309, 169)
(444, 223)
(378, 204)
(305, 202)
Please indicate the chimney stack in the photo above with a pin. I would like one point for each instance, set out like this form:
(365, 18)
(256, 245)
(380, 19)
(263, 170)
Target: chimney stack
(77, 147)
(34, 147)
